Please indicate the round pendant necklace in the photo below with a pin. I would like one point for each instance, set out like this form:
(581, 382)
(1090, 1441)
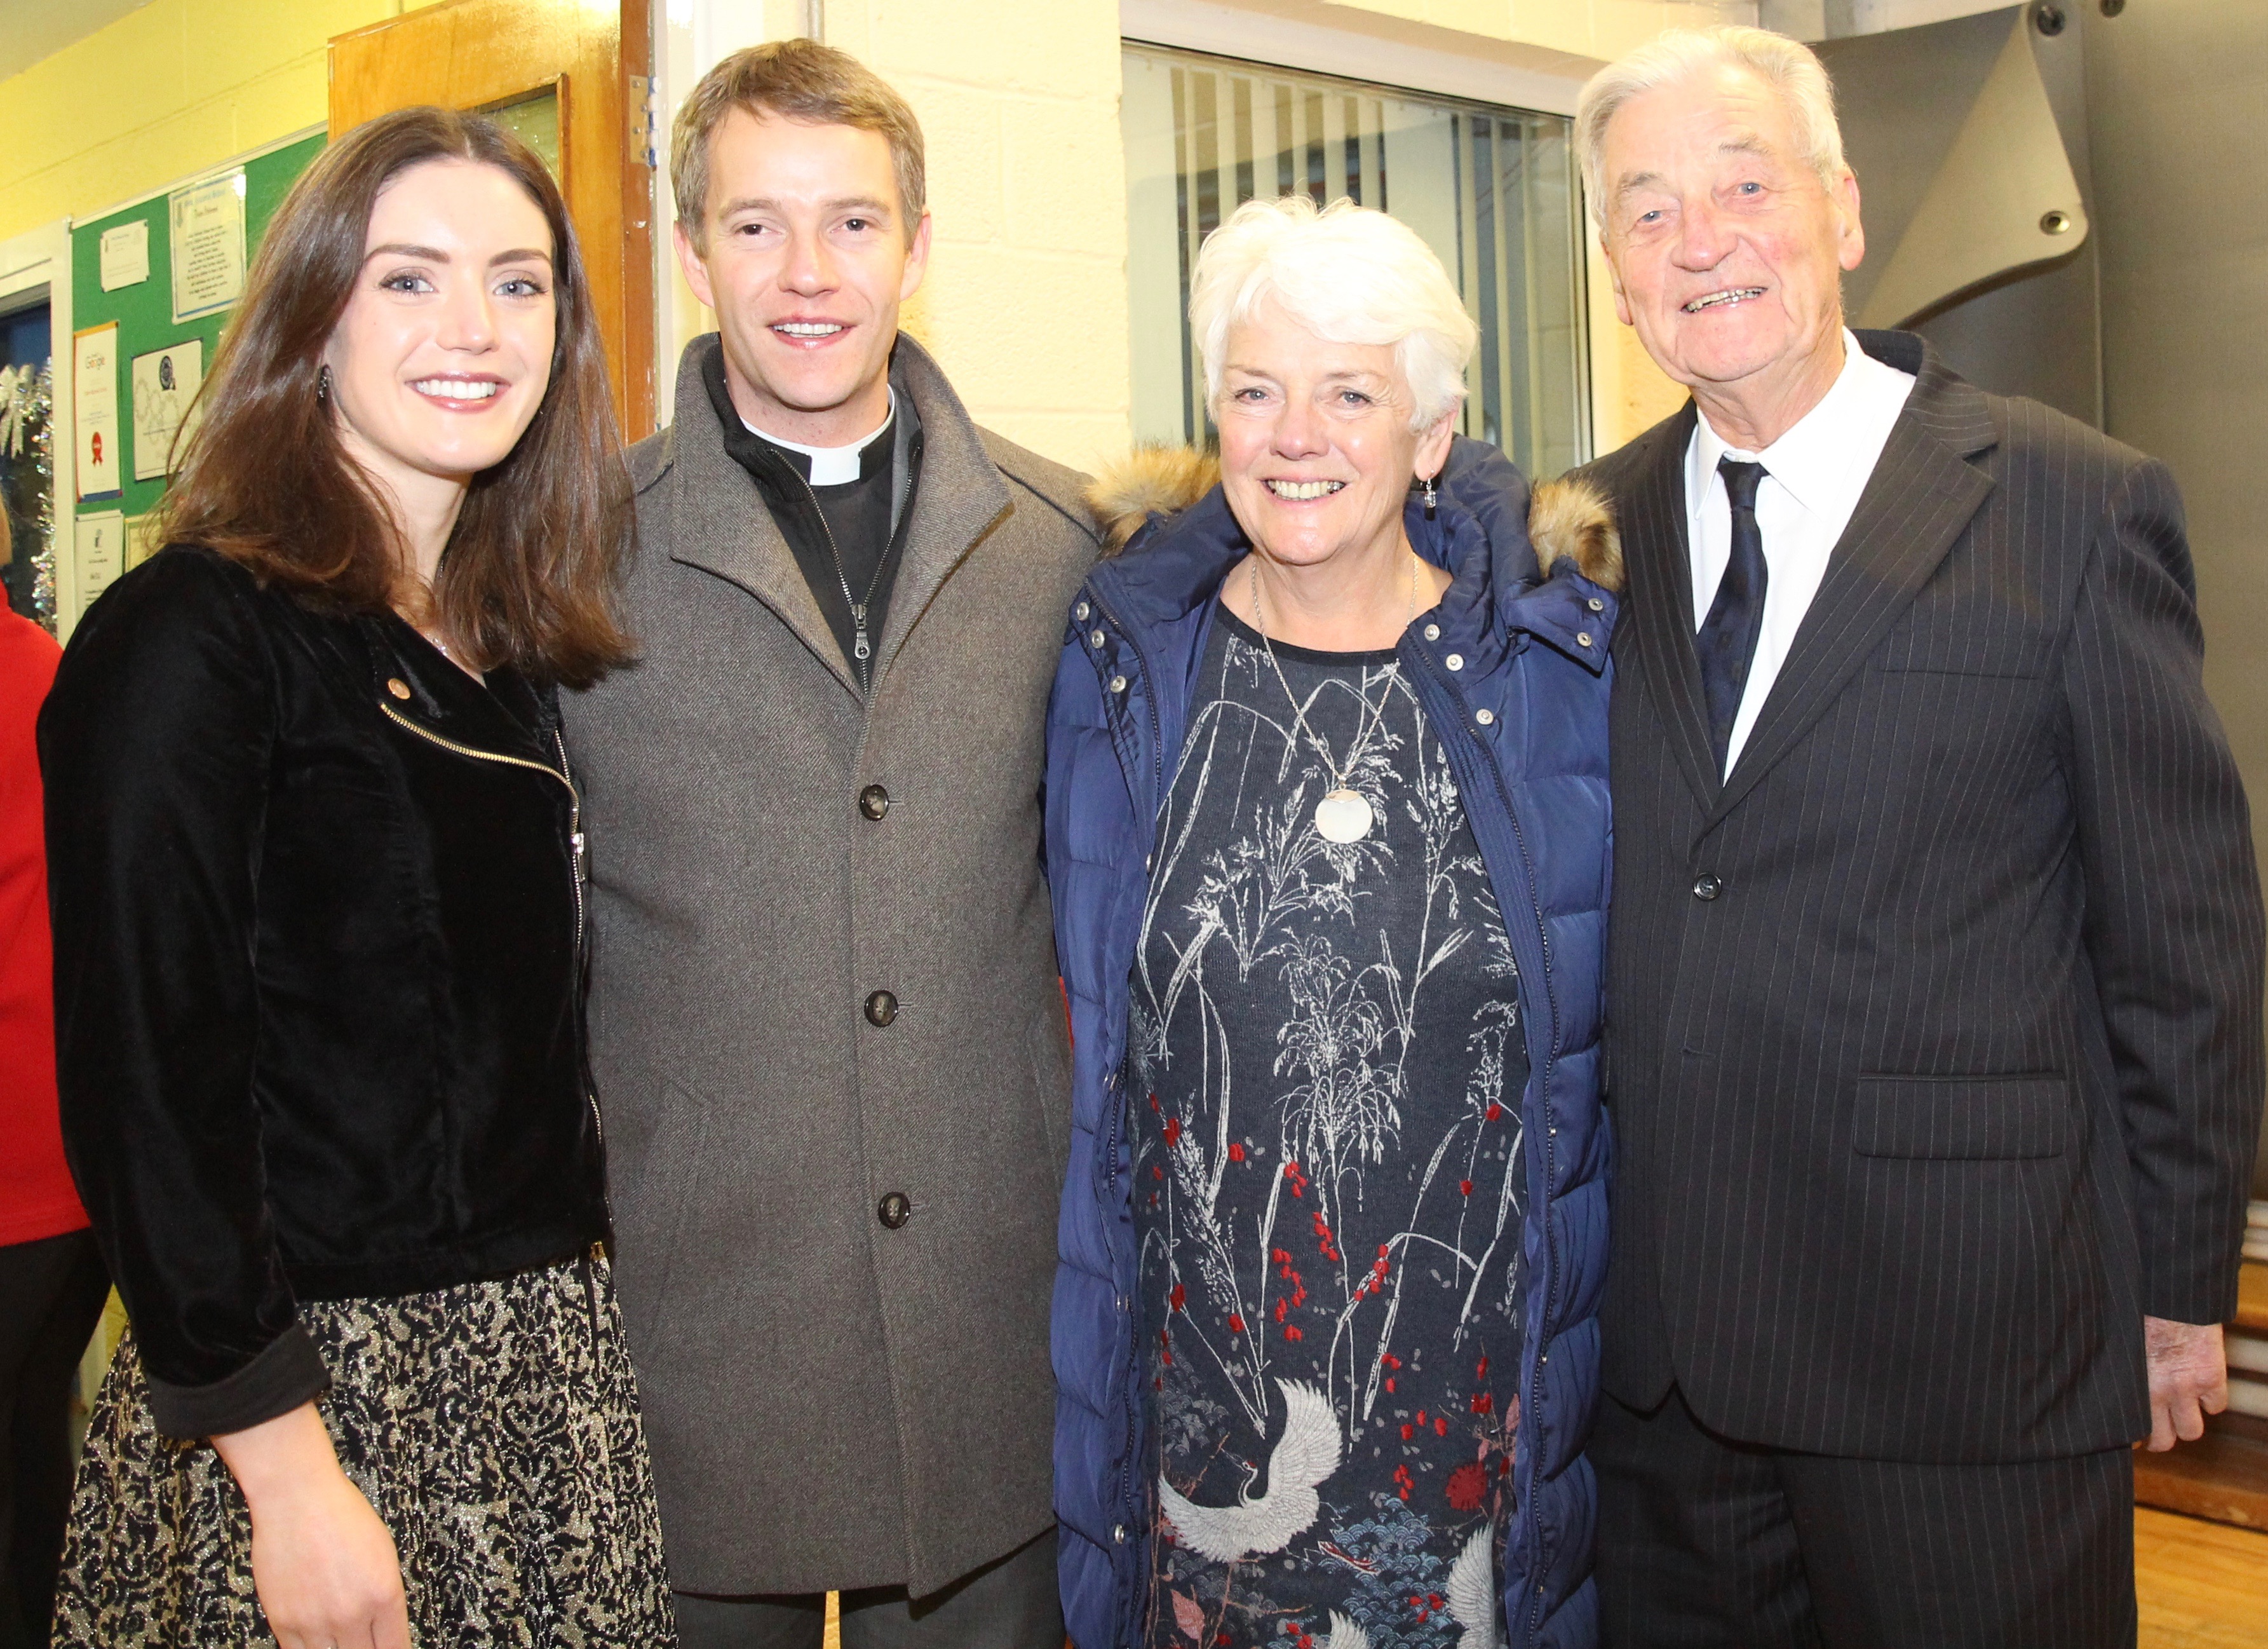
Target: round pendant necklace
(1344, 815)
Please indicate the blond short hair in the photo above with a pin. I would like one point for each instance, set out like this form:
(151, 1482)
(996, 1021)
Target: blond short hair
(1789, 67)
(798, 80)
(1346, 273)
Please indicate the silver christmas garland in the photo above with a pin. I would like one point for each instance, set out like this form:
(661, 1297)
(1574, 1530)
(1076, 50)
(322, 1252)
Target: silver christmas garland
(27, 404)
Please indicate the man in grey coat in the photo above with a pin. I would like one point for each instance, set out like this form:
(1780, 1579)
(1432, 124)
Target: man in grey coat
(828, 1038)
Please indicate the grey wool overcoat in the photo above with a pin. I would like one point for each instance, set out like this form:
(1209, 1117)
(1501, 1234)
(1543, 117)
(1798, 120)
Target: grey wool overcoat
(839, 1390)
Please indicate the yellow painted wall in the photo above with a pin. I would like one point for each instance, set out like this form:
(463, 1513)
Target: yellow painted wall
(165, 91)
(1026, 302)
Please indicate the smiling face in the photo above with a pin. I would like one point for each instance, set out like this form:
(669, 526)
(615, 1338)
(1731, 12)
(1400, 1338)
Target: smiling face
(1316, 451)
(1726, 250)
(444, 352)
(806, 260)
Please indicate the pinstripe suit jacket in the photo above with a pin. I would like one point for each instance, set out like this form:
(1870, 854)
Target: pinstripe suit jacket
(1934, 1028)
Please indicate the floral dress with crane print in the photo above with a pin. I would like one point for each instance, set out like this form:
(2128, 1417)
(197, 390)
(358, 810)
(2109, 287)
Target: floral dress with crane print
(1325, 1069)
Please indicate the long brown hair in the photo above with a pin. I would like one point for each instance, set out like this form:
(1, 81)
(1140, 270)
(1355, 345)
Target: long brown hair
(532, 566)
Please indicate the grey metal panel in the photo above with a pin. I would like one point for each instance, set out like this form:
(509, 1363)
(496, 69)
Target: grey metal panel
(2175, 92)
(1970, 179)
(1909, 98)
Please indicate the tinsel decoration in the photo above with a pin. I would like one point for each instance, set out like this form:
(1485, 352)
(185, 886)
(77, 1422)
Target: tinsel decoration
(27, 404)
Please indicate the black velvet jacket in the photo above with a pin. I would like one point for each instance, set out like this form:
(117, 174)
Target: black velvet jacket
(318, 929)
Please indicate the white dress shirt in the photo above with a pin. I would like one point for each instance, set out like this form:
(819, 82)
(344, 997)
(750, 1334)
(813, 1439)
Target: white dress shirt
(1813, 477)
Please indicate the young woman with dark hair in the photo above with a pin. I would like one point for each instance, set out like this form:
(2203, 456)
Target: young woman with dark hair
(316, 862)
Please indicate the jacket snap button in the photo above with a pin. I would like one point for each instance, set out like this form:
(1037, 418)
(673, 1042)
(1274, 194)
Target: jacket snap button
(1595, 604)
(1118, 1534)
(398, 687)
(1095, 638)
(881, 1007)
(1486, 718)
(894, 1210)
(1582, 637)
(1455, 661)
(1080, 611)
(873, 802)
(1118, 684)
(1432, 632)
(1708, 888)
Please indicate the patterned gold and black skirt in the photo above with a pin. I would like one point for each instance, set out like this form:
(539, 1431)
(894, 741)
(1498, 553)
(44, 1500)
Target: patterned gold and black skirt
(495, 1428)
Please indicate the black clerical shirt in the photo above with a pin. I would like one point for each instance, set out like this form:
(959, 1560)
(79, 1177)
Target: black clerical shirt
(861, 521)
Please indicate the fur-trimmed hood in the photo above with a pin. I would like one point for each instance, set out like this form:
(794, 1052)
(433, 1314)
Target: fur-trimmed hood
(1568, 519)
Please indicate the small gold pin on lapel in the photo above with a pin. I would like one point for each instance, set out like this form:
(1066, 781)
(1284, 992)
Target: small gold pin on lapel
(398, 687)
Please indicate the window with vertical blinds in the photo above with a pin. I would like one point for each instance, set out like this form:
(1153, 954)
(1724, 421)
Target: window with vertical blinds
(1494, 191)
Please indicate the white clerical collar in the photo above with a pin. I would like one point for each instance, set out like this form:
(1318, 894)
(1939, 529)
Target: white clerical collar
(834, 466)
(1817, 460)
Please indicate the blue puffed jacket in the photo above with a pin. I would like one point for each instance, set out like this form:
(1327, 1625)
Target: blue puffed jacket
(1513, 669)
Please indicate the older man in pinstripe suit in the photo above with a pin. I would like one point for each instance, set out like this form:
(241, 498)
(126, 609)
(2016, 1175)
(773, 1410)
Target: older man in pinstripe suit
(1934, 1017)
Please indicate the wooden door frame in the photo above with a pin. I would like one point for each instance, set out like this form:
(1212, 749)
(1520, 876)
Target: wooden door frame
(603, 123)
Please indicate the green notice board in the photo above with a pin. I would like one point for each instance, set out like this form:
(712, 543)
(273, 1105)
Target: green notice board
(145, 311)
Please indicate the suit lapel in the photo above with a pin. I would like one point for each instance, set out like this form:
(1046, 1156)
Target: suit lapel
(720, 522)
(1915, 505)
(958, 496)
(1661, 605)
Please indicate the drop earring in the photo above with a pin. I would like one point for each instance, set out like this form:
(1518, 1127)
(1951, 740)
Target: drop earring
(323, 383)
(1432, 498)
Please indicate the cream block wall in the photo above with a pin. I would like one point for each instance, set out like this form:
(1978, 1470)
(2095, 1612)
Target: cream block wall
(165, 91)
(1598, 29)
(1629, 393)
(1025, 301)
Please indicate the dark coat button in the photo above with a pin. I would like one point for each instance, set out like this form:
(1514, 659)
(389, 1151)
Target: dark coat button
(881, 1007)
(894, 1210)
(873, 802)
(1708, 888)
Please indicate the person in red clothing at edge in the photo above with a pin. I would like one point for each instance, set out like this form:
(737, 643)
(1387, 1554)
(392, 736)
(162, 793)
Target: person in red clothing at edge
(52, 1283)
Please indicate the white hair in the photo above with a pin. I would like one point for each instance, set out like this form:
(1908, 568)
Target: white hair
(1347, 274)
(1789, 67)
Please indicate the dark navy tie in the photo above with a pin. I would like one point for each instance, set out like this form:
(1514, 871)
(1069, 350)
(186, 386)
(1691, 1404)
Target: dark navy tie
(1728, 641)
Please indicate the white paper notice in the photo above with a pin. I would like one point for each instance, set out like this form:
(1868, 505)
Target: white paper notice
(126, 254)
(165, 383)
(94, 410)
(208, 247)
(101, 553)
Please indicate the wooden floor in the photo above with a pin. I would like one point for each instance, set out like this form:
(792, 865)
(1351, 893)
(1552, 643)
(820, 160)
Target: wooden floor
(2202, 1586)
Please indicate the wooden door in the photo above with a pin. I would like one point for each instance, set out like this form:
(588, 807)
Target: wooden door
(570, 76)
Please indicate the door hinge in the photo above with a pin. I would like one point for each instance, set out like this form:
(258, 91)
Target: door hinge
(642, 103)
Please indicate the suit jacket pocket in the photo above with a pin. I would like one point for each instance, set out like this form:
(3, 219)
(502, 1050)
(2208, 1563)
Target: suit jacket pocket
(1978, 664)
(1962, 1118)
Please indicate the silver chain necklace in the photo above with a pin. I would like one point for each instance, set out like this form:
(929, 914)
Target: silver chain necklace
(1344, 815)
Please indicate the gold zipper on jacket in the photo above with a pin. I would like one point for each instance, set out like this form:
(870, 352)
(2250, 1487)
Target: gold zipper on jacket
(574, 796)
(565, 775)
(575, 816)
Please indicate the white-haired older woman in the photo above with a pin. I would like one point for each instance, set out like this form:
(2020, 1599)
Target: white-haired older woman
(1327, 829)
